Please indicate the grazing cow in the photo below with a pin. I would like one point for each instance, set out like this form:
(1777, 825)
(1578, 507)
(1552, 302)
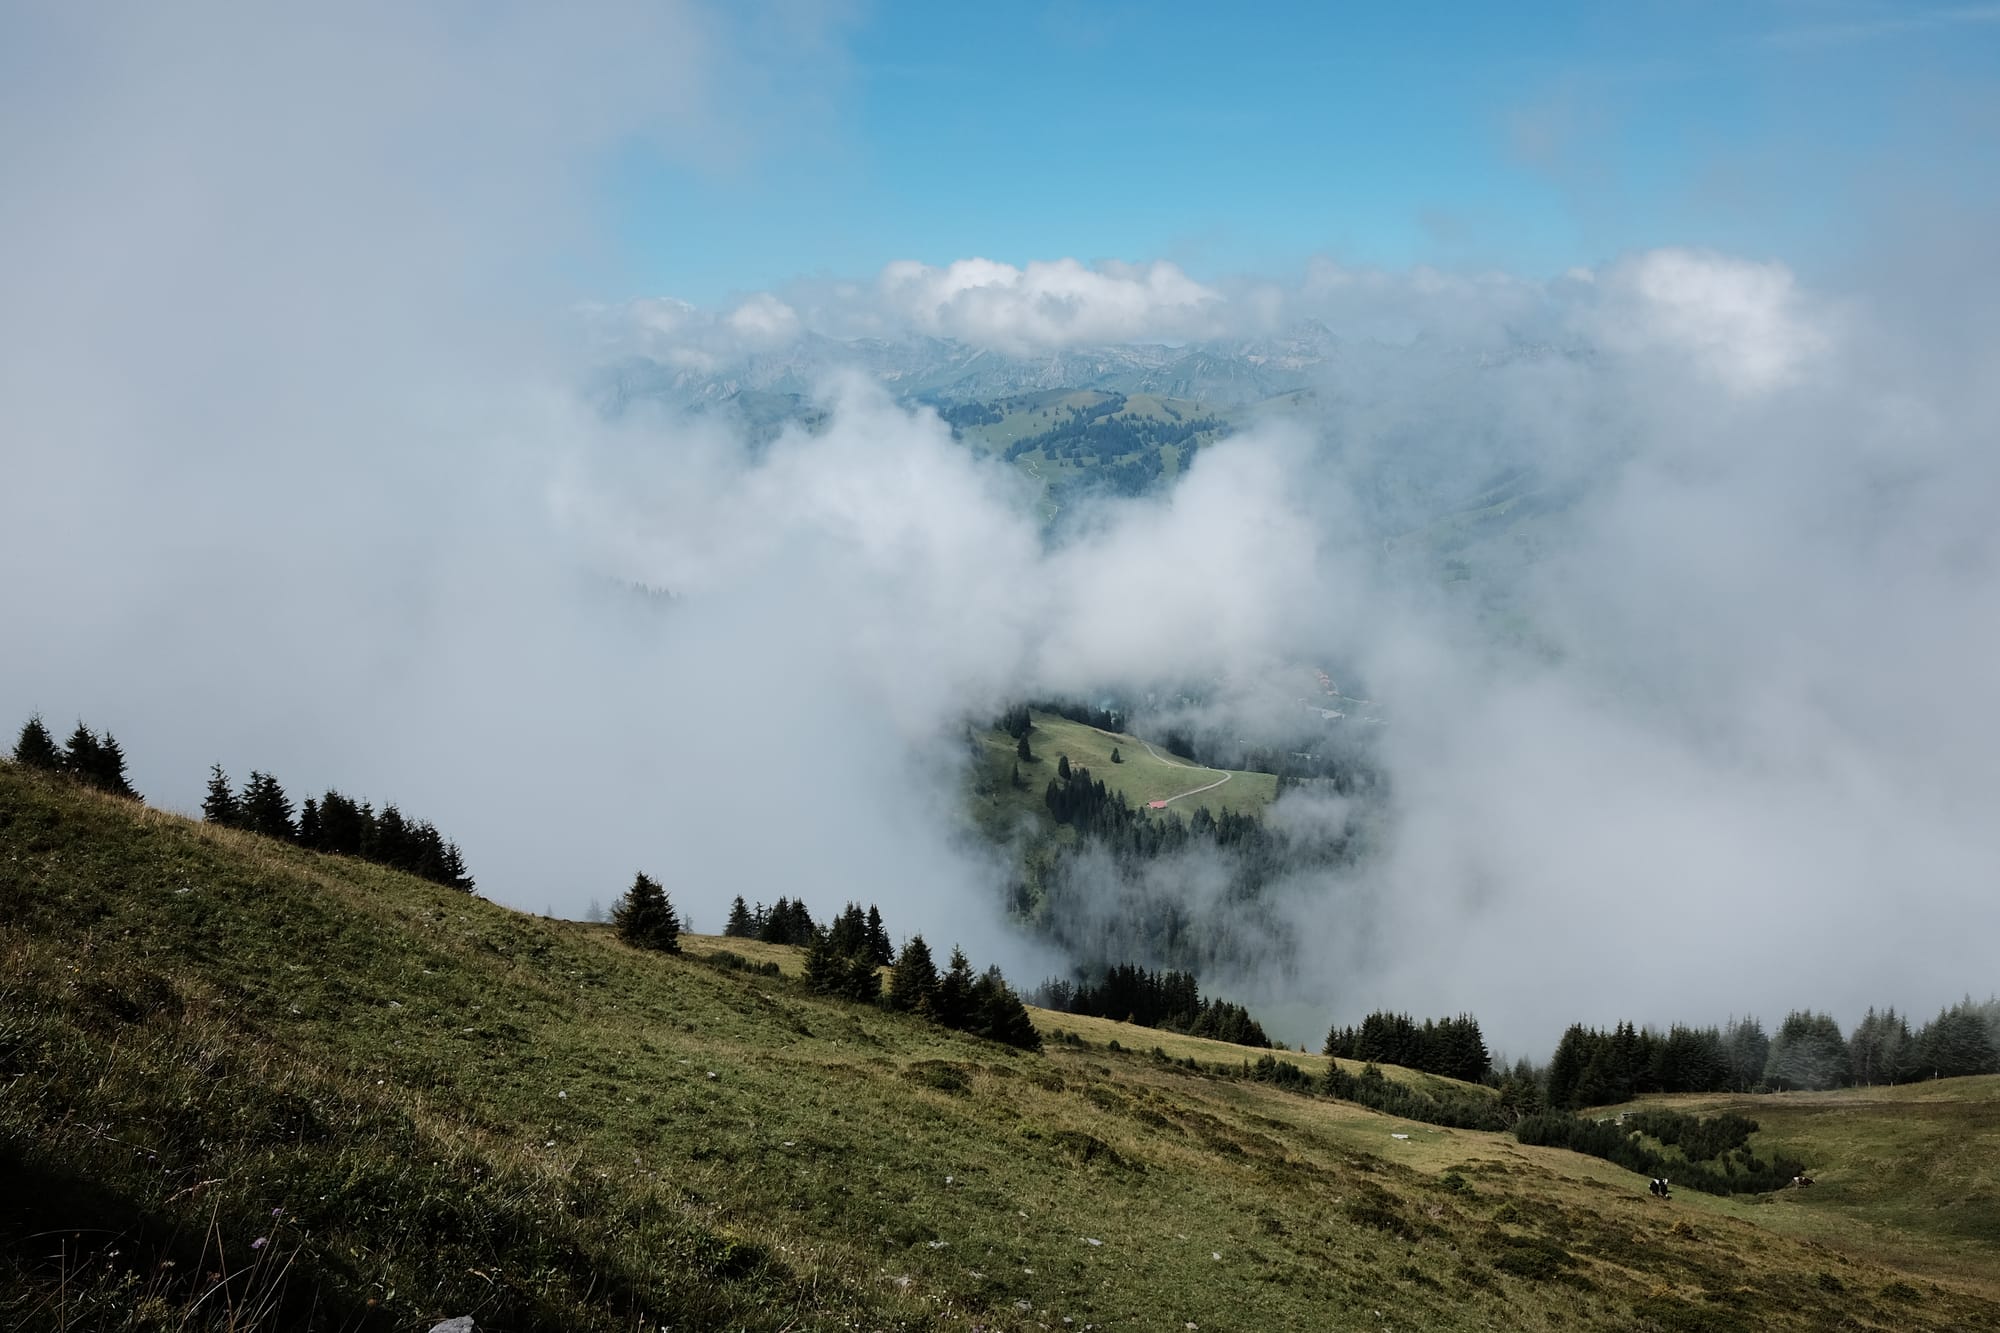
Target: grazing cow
(1659, 1189)
(1800, 1182)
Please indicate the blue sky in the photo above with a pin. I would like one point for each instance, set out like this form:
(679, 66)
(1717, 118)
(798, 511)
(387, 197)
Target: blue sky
(1467, 135)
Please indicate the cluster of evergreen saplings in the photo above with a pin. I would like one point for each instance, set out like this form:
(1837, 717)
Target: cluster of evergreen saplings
(1018, 720)
(789, 922)
(95, 761)
(845, 957)
(1169, 1000)
(337, 824)
(1713, 1152)
(1452, 1047)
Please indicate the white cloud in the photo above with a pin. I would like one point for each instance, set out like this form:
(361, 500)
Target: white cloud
(1743, 323)
(763, 319)
(321, 500)
(1048, 303)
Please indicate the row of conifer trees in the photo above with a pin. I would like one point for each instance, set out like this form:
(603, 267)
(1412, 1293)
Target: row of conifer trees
(844, 958)
(1170, 1000)
(329, 823)
(336, 823)
(95, 761)
(1592, 1067)
(1453, 1047)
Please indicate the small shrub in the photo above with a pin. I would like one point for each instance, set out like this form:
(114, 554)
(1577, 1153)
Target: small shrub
(1374, 1210)
(940, 1075)
(1531, 1257)
(1090, 1149)
(730, 961)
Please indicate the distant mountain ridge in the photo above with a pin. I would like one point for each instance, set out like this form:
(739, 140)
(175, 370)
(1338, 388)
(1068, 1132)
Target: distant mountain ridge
(1231, 372)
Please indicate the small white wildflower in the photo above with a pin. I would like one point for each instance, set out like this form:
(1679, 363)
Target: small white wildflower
(1092, 1240)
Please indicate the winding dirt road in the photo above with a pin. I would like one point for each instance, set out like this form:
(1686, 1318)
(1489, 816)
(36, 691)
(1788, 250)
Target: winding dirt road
(1175, 763)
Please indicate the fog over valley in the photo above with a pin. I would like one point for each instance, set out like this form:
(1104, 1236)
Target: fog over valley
(1635, 615)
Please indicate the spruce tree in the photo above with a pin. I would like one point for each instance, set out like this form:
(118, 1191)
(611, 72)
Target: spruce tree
(80, 754)
(951, 1003)
(879, 950)
(849, 932)
(778, 925)
(913, 984)
(1118, 758)
(1956, 1043)
(998, 1014)
(455, 876)
(831, 971)
(309, 829)
(800, 927)
(1021, 750)
(340, 825)
(644, 917)
(1062, 767)
(392, 845)
(739, 925)
(109, 772)
(265, 807)
(36, 749)
(220, 806)
(1807, 1053)
(825, 968)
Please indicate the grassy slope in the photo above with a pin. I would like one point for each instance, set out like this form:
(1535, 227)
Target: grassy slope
(1140, 776)
(461, 1108)
(1104, 1031)
(1910, 1172)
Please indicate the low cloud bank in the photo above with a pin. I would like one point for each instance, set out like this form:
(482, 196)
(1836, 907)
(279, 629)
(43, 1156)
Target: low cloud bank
(299, 481)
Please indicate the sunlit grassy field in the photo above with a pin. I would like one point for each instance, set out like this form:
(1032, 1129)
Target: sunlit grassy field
(1139, 774)
(425, 1105)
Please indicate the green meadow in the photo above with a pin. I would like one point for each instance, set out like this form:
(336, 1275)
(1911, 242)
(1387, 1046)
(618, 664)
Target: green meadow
(248, 1086)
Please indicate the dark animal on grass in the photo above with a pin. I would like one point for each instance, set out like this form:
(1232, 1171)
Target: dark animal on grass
(1658, 1189)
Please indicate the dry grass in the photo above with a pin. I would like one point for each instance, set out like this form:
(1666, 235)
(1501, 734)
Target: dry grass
(463, 1109)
